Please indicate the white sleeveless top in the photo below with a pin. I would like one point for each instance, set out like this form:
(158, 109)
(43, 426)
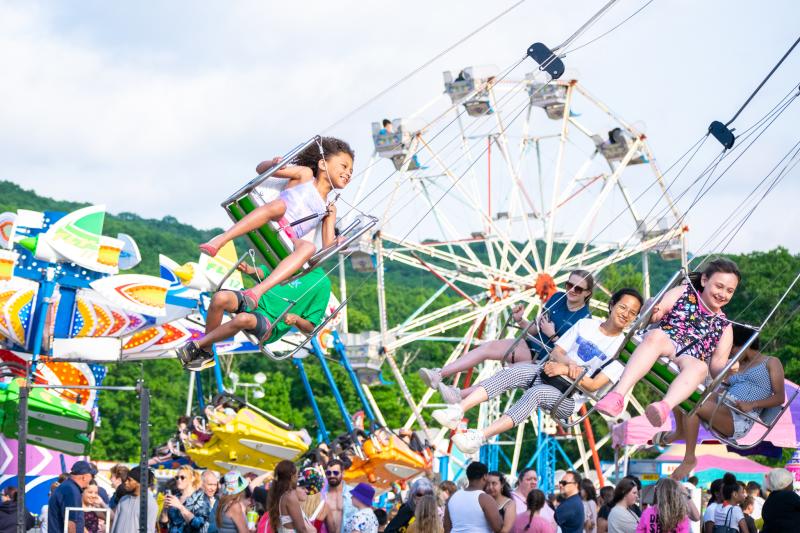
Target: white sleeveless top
(466, 515)
(301, 201)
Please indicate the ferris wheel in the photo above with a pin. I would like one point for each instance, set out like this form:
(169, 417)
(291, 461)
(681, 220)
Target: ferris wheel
(499, 188)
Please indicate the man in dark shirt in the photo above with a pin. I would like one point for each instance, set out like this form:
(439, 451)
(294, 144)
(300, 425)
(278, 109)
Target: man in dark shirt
(781, 511)
(569, 514)
(68, 494)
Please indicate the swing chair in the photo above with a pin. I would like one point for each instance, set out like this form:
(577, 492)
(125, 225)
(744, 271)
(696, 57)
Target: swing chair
(387, 459)
(271, 240)
(251, 441)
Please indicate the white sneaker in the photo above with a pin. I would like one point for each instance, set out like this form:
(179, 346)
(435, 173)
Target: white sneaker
(431, 376)
(469, 442)
(451, 395)
(449, 417)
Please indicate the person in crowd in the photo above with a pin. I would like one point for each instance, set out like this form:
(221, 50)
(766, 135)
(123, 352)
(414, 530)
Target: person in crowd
(569, 513)
(754, 491)
(426, 516)
(315, 508)
(340, 506)
(210, 483)
(445, 490)
(383, 519)
(44, 511)
(229, 516)
(531, 521)
(386, 127)
(93, 522)
(8, 511)
(621, 518)
(68, 494)
(604, 501)
(694, 481)
(126, 514)
(781, 511)
(562, 311)
(405, 514)
(635, 507)
(587, 349)
(747, 506)
(284, 507)
(671, 510)
(363, 520)
(715, 499)
(118, 474)
(728, 514)
(757, 385)
(471, 510)
(498, 488)
(187, 510)
(589, 497)
(527, 480)
(692, 330)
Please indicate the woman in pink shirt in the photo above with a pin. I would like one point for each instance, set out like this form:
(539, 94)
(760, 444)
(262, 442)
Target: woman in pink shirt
(671, 511)
(531, 521)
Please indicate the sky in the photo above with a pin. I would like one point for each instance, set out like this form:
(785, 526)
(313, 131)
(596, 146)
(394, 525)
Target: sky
(165, 108)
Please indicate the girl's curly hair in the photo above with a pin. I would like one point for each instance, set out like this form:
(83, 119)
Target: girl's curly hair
(330, 146)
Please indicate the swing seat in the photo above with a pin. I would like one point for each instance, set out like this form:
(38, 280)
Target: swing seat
(53, 422)
(387, 460)
(247, 443)
(270, 240)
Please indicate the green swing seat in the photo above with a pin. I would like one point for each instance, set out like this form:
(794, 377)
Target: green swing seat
(53, 422)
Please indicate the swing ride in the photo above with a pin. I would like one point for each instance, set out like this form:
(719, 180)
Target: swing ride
(522, 177)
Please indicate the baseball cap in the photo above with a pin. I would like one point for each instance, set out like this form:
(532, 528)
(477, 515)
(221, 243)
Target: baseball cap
(82, 467)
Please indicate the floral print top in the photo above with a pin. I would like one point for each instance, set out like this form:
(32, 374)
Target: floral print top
(198, 504)
(363, 521)
(694, 329)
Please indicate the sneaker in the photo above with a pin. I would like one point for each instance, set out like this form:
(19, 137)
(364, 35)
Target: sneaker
(187, 352)
(469, 442)
(431, 376)
(451, 395)
(203, 361)
(449, 417)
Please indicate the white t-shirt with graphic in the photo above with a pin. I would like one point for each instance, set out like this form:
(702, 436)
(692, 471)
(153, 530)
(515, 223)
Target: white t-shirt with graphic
(586, 345)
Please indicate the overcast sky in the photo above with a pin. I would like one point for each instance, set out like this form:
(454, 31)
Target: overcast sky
(164, 108)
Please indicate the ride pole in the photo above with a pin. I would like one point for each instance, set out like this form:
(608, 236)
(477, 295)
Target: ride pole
(342, 351)
(334, 389)
(22, 467)
(323, 432)
(144, 473)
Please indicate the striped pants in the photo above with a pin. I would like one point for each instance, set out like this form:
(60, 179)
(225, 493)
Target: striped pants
(526, 376)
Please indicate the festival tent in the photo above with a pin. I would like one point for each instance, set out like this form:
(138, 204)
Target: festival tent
(713, 460)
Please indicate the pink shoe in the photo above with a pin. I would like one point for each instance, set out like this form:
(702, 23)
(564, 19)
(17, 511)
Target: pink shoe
(657, 413)
(208, 249)
(612, 404)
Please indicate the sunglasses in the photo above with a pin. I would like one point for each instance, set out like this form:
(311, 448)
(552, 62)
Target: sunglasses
(577, 289)
(563, 483)
(333, 473)
(421, 494)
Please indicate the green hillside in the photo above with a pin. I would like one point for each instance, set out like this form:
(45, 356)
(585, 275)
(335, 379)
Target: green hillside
(765, 275)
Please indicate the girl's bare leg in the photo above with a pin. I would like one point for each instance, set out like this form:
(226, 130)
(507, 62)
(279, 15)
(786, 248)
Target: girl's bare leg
(494, 350)
(655, 344)
(501, 425)
(693, 373)
(220, 303)
(477, 397)
(690, 428)
(303, 250)
(253, 220)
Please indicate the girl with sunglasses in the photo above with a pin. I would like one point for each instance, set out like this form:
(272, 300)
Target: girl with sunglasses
(188, 510)
(561, 311)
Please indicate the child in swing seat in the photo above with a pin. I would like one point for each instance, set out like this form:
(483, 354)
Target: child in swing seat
(692, 331)
(314, 173)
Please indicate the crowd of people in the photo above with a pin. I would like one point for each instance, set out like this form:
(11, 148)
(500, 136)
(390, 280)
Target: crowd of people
(315, 499)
